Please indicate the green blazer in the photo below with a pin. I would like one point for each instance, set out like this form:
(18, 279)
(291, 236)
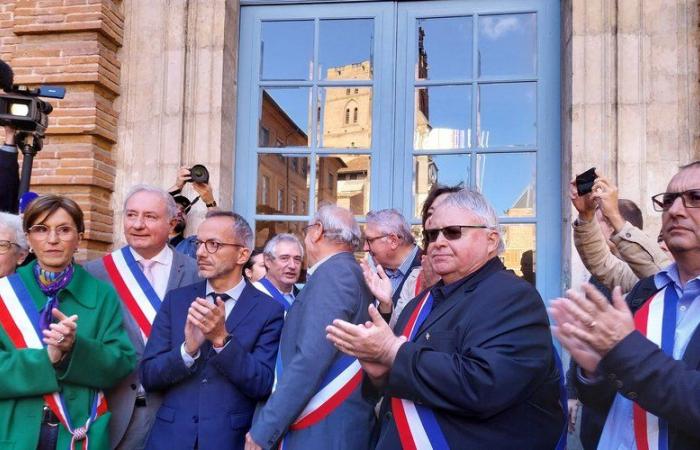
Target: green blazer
(101, 356)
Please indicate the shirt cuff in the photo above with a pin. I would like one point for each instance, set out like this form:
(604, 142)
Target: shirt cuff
(586, 380)
(218, 349)
(186, 358)
(8, 148)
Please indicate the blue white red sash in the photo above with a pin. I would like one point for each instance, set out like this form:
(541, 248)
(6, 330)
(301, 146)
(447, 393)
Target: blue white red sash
(275, 293)
(19, 318)
(137, 294)
(657, 321)
(417, 425)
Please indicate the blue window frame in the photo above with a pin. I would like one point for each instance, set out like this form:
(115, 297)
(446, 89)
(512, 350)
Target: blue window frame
(376, 100)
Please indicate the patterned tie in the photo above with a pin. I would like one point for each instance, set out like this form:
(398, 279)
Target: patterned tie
(147, 268)
(223, 296)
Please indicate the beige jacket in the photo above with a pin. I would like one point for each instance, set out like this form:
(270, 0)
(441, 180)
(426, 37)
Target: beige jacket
(640, 255)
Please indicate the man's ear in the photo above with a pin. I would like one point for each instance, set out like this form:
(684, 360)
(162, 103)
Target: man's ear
(173, 222)
(22, 255)
(243, 256)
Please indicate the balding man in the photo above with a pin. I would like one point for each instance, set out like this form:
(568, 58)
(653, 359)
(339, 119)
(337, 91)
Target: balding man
(141, 273)
(13, 243)
(283, 257)
(473, 365)
(317, 401)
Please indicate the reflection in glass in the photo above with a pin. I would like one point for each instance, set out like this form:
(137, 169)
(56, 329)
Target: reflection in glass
(520, 252)
(516, 197)
(283, 184)
(448, 170)
(287, 49)
(507, 115)
(266, 230)
(345, 180)
(345, 49)
(442, 117)
(346, 117)
(444, 48)
(284, 117)
(508, 45)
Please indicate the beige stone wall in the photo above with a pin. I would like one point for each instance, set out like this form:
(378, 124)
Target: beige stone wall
(630, 97)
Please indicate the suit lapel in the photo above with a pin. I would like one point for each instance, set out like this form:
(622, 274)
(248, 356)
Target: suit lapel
(692, 351)
(177, 271)
(244, 305)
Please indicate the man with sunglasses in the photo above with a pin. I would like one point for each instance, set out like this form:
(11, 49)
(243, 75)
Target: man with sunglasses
(141, 272)
(212, 348)
(644, 370)
(473, 365)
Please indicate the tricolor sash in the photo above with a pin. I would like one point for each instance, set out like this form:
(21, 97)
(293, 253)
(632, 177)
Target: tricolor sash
(136, 293)
(19, 318)
(417, 425)
(657, 321)
(275, 293)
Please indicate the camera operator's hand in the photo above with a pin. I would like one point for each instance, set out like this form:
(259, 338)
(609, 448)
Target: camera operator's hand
(183, 176)
(9, 135)
(584, 204)
(605, 194)
(205, 193)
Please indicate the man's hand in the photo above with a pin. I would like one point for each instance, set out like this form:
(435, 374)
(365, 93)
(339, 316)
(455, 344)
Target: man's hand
(606, 196)
(572, 405)
(585, 205)
(372, 341)
(427, 276)
(210, 319)
(183, 176)
(9, 135)
(582, 353)
(380, 286)
(250, 444)
(204, 191)
(194, 338)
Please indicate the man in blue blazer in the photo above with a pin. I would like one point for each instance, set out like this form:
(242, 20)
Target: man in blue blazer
(213, 345)
(473, 365)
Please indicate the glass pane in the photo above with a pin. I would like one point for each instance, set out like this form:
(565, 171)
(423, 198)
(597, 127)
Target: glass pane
(346, 117)
(287, 50)
(283, 184)
(448, 170)
(444, 48)
(508, 45)
(516, 197)
(284, 117)
(266, 230)
(345, 180)
(442, 117)
(345, 49)
(507, 115)
(520, 250)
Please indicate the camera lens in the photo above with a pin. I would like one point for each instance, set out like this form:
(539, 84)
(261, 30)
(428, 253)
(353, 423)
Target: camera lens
(199, 174)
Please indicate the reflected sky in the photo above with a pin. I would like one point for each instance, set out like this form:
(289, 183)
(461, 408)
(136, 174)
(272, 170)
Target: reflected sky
(295, 103)
(447, 42)
(508, 45)
(449, 116)
(504, 178)
(508, 114)
(343, 42)
(287, 49)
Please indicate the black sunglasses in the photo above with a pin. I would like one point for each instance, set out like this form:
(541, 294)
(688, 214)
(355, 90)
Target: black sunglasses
(664, 201)
(451, 233)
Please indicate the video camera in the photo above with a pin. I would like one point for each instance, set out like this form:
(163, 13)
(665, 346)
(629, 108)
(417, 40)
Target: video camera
(22, 109)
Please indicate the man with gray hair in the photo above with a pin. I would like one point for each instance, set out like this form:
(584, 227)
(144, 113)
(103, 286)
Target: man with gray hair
(473, 365)
(141, 273)
(13, 243)
(283, 257)
(389, 241)
(317, 401)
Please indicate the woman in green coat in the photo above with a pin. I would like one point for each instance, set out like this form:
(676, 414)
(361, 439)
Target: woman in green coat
(62, 341)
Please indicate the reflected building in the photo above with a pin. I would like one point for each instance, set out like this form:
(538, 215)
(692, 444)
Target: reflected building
(520, 239)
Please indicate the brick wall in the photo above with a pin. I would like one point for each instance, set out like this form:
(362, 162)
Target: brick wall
(72, 43)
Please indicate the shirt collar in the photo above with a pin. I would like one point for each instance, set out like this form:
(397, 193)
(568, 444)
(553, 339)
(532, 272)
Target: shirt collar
(165, 256)
(405, 266)
(670, 275)
(310, 271)
(234, 292)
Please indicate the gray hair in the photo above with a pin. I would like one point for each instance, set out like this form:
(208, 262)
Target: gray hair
(475, 202)
(339, 225)
(241, 228)
(12, 222)
(271, 246)
(391, 221)
(170, 205)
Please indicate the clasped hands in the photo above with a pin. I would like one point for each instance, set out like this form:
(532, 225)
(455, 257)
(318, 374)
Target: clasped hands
(60, 337)
(589, 326)
(373, 343)
(205, 321)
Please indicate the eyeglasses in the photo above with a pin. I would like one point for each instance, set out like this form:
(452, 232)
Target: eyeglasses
(370, 240)
(306, 228)
(664, 201)
(213, 246)
(42, 232)
(284, 259)
(451, 233)
(5, 246)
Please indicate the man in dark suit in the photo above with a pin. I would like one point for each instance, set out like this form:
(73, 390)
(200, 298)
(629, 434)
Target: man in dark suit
(141, 272)
(213, 347)
(283, 256)
(643, 371)
(473, 365)
(317, 403)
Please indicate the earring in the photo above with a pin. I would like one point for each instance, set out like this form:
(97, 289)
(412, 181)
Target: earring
(31, 250)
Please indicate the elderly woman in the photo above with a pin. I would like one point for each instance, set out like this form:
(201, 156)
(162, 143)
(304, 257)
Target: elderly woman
(61, 342)
(13, 243)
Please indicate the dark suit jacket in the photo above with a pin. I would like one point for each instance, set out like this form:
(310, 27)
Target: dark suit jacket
(484, 362)
(336, 290)
(213, 401)
(122, 398)
(9, 182)
(640, 371)
(415, 263)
